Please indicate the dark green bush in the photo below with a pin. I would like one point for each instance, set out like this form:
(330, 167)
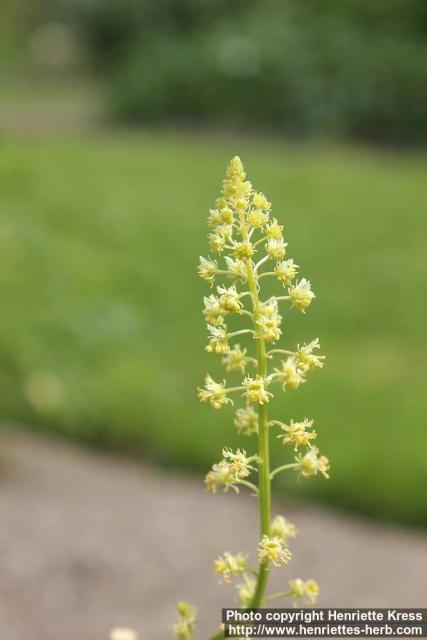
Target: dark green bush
(321, 75)
(107, 26)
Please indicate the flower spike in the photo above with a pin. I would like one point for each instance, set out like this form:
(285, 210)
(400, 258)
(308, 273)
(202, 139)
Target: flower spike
(249, 246)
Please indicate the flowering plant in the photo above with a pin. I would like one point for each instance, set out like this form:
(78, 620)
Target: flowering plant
(241, 226)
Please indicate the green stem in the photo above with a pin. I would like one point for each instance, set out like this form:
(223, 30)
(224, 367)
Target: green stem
(249, 485)
(240, 332)
(232, 389)
(293, 465)
(264, 482)
(284, 351)
(263, 439)
(275, 596)
(281, 424)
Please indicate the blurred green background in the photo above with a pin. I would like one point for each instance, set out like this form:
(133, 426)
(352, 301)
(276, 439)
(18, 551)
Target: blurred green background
(103, 218)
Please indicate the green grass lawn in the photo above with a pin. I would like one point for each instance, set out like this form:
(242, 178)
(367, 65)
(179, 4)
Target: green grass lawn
(101, 333)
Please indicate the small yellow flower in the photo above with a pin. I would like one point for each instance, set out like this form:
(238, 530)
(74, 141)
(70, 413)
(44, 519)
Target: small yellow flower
(269, 325)
(235, 359)
(231, 566)
(236, 268)
(246, 420)
(308, 590)
(270, 308)
(232, 189)
(243, 249)
(218, 340)
(276, 249)
(220, 203)
(256, 390)
(246, 591)
(305, 358)
(311, 591)
(289, 376)
(183, 629)
(283, 529)
(272, 549)
(236, 190)
(257, 218)
(226, 215)
(234, 186)
(228, 471)
(240, 462)
(208, 269)
(301, 294)
(286, 271)
(213, 392)
(274, 230)
(235, 169)
(241, 205)
(225, 230)
(229, 300)
(297, 588)
(219, 238)
(213, 312)
(260, 201)
(296, 434)
(214, 218)
(217, 242)
(221, 474)
(310, 464)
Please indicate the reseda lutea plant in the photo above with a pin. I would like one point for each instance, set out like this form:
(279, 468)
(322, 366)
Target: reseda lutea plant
(244, 231)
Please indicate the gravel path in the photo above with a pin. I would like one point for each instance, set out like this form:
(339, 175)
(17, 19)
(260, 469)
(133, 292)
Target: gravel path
(89, 541)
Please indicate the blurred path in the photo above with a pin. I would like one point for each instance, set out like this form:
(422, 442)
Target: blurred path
(89, 541)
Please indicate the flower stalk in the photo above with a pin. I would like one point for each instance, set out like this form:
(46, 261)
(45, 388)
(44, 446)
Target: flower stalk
(263, 435)
(241, 225)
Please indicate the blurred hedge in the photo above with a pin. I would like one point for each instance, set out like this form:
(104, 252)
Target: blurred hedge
(341, 68)
(298, 71)
(108, 26)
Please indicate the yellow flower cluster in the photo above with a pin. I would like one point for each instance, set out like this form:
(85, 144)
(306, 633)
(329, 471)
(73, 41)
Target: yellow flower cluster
(246, 591)
(289, 376)
(255, 390)
(306, 360)
(229, 565)
(301, 294)
(183, 629)
(311, 464)
(236, 269)
(283, 529)
(246, 420)
(308, 590)
(235, 359)
(228, 472)
(213, 392)
(208, 269)
(273, 549)
(270, 321)
(296, 433)
(294, 369)
(286, 271)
